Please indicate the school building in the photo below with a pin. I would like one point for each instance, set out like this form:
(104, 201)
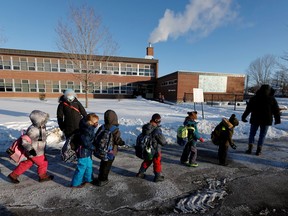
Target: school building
(26, 73)
(178, 86)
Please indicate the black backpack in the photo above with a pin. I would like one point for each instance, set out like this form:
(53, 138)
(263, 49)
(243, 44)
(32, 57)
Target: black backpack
(144, 147)
(70, 147)
(104, 143)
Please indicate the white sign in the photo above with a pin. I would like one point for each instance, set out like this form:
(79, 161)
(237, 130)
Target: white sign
(210, 83)
(198, 96)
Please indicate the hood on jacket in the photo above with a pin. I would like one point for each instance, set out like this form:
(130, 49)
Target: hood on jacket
(147, 128)
(38, 118)
(110, 118)
(265, 90)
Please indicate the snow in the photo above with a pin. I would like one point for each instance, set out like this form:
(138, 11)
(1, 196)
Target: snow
(132, 114)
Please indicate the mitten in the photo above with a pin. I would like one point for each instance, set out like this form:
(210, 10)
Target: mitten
(32, 152)
(233, 146)
(201, 139)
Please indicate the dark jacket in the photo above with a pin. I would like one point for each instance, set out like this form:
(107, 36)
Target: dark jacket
(110, 120)
(226, 134)
(69, 118)
(158, 138)
(263, 106)
(87, 134)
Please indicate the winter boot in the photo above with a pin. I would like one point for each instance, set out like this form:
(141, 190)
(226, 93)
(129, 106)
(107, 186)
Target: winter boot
(45, 177)
(158, 177)
(14, 178)
(140, 175)
(249, 150)
(258, 151)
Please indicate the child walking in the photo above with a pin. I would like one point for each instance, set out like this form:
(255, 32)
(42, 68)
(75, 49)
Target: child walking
(84, 170)
(36, 150)
(111, 123)
(189, 154)
(153, 128)
(226, 128)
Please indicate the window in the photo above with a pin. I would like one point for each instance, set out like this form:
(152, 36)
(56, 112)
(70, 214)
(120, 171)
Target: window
(2, 85)
(25, 85)
(54, 67)
(7, 65)
(16, 65)
(110, 88)
(41, 87)
(55, 87)
(40, 66)
(96, 88)
(23, 64)
(31, 66)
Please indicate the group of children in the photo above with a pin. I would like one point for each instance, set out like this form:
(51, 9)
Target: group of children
(86, 138)
(224, 138)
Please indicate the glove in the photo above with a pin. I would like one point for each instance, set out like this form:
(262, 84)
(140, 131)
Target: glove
(32, 152)
(233, 146)
(201, 139)
(244, 119)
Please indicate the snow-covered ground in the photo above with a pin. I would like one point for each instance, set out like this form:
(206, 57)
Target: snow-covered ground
(202, 187)
(132, 114)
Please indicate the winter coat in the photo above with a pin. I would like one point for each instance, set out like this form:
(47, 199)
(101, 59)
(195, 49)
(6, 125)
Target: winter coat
(87, 135)
(111, 119)
(157, 136)
(226, 134)
(69, 118)
(37, 132)
(193, 133)
(263, 106)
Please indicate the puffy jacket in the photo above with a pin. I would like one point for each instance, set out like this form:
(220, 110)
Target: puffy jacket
(263, 106)
(158, 138)
(87, 134)
(193, 134)
(69, 118)
(37, 132)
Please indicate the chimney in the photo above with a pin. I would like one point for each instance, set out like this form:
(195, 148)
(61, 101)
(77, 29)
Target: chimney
(149, 52)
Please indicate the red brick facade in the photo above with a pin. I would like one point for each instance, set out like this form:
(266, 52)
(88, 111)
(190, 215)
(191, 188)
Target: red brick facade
(176, 86)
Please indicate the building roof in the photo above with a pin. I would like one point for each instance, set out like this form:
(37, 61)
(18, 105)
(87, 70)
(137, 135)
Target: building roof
(203, 73)
(44, 54)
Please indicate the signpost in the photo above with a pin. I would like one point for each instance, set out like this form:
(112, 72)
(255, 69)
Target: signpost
(198, 97)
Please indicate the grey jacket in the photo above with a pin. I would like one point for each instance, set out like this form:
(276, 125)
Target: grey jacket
(37, 132)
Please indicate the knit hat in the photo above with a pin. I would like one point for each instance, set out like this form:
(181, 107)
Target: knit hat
(156, 118)
(192, 115)
(69, 92)
(233, 120)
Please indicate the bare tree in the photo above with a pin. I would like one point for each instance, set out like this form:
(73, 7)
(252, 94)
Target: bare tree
(260, 70)
(81, 39)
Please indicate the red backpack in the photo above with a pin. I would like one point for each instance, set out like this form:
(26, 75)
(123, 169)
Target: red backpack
(16, 151)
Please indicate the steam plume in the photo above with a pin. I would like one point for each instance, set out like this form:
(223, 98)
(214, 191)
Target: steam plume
(200, 17)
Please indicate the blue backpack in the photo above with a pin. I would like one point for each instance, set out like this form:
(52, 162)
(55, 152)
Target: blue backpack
(104, 143)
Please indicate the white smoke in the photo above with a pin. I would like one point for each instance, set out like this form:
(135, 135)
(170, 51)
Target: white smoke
(200, 17)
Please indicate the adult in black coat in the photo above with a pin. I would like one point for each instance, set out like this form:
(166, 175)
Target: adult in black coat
(69, 113)
(263, 106)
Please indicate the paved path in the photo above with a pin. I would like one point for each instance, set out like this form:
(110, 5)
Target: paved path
(250, 185)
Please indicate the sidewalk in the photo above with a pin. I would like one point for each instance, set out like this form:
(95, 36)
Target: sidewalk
(250, 185)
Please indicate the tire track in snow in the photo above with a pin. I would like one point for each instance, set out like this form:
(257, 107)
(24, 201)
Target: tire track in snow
(202, 200)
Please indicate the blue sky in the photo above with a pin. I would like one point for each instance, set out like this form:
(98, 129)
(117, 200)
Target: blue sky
(194, 35)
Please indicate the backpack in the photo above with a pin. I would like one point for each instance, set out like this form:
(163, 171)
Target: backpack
(16, 151)
(144, 147)
(182, 135)
(104, 143)
(70, 147)
(216, 133)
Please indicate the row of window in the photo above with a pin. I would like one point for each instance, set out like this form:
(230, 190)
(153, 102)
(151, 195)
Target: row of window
(47, 65)
(11, 85)
(169, 82)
